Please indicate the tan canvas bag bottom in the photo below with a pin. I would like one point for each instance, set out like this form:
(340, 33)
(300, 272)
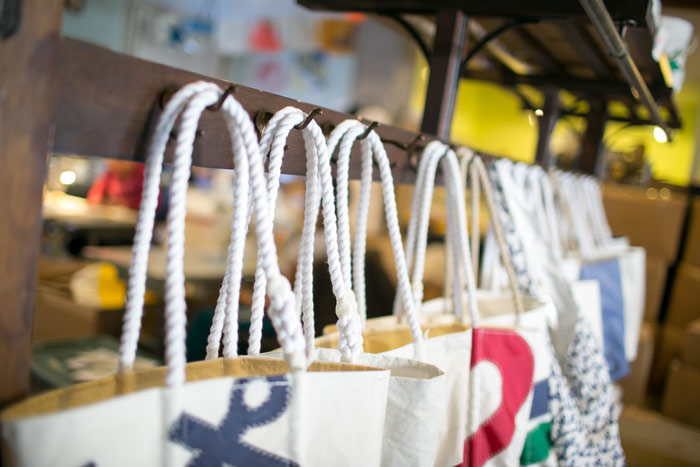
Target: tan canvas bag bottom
(118, 385)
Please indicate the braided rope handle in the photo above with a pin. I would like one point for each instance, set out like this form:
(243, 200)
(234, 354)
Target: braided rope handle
(227, 305)
(318, 178)
(143, 232)
(189, 103)
(282, 310)
(372, 148)
(436, 152)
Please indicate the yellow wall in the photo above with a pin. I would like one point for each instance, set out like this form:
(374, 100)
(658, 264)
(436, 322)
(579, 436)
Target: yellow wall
(489, 118)
(671, 162)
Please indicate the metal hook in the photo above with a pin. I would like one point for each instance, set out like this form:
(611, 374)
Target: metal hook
(405, 146)
(262, 118)
(327, 128)
(312, 114)
(411, 164)
(370, 127)
(165, 95)
(217, 105)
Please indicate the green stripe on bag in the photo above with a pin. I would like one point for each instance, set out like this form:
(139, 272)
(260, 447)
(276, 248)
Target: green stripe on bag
(537, 445)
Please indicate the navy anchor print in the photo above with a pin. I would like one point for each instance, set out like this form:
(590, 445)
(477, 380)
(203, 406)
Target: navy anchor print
(223, 445)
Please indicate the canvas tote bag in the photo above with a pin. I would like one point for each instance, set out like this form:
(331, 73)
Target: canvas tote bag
(618, 268)
(584, 426)
(499, 309)
(415, 388)
(242, 411)
(453, 352)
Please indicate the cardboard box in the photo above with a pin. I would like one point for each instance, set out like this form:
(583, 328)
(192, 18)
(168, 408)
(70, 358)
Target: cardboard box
(691, 249)
(651, 439)
(634, 385)
(668, 347)
(691, 346)
(649, 217)
(681, 399)
(684, 305)
(656, 271)
(57, 316)
(58, 268)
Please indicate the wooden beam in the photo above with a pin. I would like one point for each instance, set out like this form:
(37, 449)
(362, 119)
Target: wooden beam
(538, 52)
(106, 103)
(620, 10)
(593, 148)
(28, 60)
(445, 60)
(546, 123)
(599, 87)
(587, 49)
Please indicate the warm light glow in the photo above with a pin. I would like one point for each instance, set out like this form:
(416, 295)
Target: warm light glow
(424, 73)
(539, 112)
(67, 177)
(531, 118)
(660, 134)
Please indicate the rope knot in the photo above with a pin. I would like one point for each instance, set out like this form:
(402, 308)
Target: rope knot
(278, 286)
(346, 306)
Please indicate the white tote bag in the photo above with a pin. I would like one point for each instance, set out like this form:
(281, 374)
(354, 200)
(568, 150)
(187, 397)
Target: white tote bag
(415, 388)
(496, 421)
(584, 427)
(594, 246)
(500, 309)
(242, 411)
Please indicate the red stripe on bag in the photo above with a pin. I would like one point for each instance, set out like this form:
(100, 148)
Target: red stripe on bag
(511, 354)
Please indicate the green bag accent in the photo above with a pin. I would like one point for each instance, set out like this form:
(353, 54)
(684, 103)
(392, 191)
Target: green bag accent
(537, 445)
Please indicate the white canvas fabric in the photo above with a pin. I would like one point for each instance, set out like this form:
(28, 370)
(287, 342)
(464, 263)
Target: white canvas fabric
(314, 418)
(237, 411)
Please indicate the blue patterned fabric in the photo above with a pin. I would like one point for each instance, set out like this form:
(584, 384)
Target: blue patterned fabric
(607, 273)
(584, 427)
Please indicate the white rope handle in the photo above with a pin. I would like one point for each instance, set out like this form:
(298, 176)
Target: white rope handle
(436, 152)
(175, 306)
(227, 306)
(371, 147)
(272, 142)
(392, 221)
(411, 232)
(143, 235)
(282, 310)
(420, 210)
(455, 189)
(454, 280)
(318, 163)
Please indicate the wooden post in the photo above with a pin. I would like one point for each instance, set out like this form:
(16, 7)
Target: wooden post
(445, 60)
(546, 122)
(28, 60)
(592, 157)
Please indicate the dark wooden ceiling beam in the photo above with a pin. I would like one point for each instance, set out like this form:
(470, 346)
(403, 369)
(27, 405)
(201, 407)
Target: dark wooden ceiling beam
(538, 52)
(636, 11)
(586, 48)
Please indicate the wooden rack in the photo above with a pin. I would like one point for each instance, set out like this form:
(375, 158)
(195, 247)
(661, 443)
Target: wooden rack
(63, 96)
